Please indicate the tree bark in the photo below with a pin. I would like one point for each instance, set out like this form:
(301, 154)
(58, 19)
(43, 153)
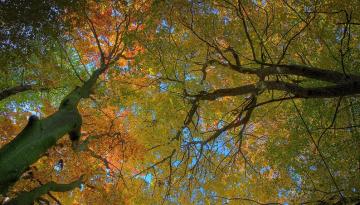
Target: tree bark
(38, 136)
(27, 198)
(308, 72)
(341, 89)
(326, 75)
(14, 90)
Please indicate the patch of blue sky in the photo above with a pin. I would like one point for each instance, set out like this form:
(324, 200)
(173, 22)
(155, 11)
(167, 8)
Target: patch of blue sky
(177, 75)
(164, 26)
(55, 10)
(263, 2)
(176, 163)
(203, 194)
(283, 193)
(193, 162)
(307, 9)
(339, 34)
(212, 194)
(189, 77)
(163, 86)
(192, 54)
(95, 178)
(13, 106)
(91, 66)
(194, 197)
(58, 168)
(197, 145)
(116, 13)
(9, 43)
(205, 8)
(24, 107)
(220, 124)
(214, 11)
(27, 31)
(295, 177)
(124, 69)
(223, 135)
(264, 169)
(81, 34)
(155, 75)
(93, 104)
(135, 109)
(122, 109)
(74, 54)
(201, 124)
(220, 147)
(202, 190)
(106, 39)
(173, 199)
(186, 134)
(226, 20)
(250, 128)
(147, 178)
(82, 187)
(313, 168)
(108, 178)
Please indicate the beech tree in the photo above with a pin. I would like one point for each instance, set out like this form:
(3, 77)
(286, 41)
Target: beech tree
(190, 102)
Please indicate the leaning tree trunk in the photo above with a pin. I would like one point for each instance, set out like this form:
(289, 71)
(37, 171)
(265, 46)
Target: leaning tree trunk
(40, 135)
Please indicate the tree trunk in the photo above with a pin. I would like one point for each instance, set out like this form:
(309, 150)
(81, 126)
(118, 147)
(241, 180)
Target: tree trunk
(40, 135)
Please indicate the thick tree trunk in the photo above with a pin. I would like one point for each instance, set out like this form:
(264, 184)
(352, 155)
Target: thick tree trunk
(32, 143)
(38, 136)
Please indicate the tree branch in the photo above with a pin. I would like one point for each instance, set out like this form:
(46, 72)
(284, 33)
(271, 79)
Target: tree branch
(25, 198)
(351, 88)
(14, 90)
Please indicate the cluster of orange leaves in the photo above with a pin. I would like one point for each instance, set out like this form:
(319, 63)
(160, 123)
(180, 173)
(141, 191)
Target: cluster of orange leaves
(106, 24)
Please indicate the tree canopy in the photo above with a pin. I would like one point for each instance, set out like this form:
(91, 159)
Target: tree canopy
(180, 102)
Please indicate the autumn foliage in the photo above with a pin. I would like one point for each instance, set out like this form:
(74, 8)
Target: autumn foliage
(188, 102)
